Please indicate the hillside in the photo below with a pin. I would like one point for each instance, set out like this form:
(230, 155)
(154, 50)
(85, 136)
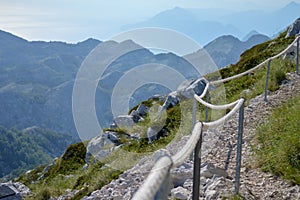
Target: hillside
(37, 79)
(219, 144)
(36, 82)
(23, 150)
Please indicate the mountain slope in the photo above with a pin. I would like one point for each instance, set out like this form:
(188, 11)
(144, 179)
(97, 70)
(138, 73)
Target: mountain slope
(226, 50)
(26, 149)
(36, 77)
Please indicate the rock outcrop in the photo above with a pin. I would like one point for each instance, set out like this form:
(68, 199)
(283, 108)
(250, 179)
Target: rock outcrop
(190, 87)
(99, 147)
(294, 29)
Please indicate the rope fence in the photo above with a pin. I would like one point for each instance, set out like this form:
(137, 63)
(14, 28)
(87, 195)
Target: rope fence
(156, 185)
(261, 64)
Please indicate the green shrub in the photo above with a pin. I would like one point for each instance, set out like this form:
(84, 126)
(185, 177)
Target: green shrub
(44, 194)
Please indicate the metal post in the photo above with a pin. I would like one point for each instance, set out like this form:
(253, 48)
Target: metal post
(193, 119)
(267, 80)
(206, 109)
(297, 58)
(239, 149)
(228, 156)
(197, 165)
(194, 113)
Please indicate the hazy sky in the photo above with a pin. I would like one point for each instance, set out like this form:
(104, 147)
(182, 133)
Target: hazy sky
(76, 20)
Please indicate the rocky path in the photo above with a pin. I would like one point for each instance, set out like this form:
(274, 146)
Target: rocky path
(254, 183)
(217, 175)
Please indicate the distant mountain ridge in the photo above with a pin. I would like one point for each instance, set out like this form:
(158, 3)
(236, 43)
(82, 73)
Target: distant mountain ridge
(205, 25)
(226, 50)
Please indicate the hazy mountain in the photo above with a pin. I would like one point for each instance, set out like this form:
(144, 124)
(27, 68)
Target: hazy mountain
(136, 59)
(226, 50)
(36, 81)
(269, 23)
(37, 78)
(249, 35)
(204, 25)
(185, 21)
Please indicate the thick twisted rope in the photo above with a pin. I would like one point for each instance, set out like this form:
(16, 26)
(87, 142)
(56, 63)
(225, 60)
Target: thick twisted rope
(162, 167)
(216, 107)
(214, 124)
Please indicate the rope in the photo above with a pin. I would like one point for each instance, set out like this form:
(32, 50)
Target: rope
(161, 168)
(204, 91)
(214, 124)
(156, 177)
(216, 107)
(188, 148)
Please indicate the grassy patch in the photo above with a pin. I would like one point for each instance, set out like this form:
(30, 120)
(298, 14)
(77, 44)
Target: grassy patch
(66, 174)
(278, 142)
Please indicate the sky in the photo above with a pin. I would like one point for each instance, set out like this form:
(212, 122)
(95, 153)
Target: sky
(76, 20)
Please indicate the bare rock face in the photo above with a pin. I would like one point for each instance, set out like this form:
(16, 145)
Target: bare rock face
(124, 121)
(142, 110)
(294, 29)
(172, 100)
(190, 87)
(99, 147)
(13, 191)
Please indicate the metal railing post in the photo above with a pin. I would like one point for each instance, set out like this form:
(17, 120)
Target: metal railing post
(206, 108)
(267, 80)
(193, 120)
(239, 149)
(197, 165)
(297, 57)
(194, 113)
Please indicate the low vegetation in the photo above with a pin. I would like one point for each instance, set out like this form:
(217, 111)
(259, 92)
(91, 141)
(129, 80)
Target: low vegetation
(68, 173)
(278, 142)
(23, 150)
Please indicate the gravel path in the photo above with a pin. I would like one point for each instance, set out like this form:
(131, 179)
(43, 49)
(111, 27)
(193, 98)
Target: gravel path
(254, 183)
